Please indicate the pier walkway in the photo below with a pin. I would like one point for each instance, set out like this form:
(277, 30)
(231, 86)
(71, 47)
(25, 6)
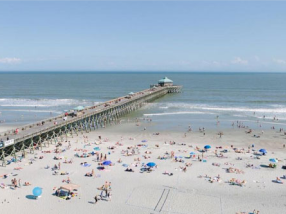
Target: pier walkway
(52, 130)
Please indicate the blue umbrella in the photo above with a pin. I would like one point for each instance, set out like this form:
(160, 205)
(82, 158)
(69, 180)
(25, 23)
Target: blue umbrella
(192, 153)
(263, 150)
(37, 191)
(207, 147)
(106, 163)
(96, 148)
(151, 164)
(273, 160)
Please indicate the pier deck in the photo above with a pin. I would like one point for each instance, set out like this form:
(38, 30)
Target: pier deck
(37, 135)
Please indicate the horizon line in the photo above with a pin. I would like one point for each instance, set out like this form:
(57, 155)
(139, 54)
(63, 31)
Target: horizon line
(130, 71)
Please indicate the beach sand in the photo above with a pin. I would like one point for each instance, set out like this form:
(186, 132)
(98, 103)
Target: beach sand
(135, 192)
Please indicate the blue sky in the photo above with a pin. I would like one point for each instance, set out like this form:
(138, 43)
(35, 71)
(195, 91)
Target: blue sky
(143, 36)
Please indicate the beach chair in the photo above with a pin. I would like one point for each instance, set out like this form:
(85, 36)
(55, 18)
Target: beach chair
(3, 186)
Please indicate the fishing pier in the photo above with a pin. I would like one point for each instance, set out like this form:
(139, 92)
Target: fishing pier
(52, 130)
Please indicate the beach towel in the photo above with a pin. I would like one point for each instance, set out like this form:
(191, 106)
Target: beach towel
(86, 165)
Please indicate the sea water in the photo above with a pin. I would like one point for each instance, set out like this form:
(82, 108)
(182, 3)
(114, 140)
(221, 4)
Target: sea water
(210, 100)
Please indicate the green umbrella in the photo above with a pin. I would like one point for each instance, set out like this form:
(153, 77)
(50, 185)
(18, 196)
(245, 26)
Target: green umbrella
(79, 108)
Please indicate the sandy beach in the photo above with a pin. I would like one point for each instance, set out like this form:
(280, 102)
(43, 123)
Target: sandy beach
(171, 186)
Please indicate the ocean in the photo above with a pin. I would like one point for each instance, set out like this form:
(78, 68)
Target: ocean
(254, 99)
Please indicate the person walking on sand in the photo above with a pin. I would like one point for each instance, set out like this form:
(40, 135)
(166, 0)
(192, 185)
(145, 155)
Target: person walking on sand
(106, 185)
(59, 165)
(109, 195)
(96, 199)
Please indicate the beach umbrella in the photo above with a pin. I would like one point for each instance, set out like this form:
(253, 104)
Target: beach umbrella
(144, 141)
(151, 164)
(273, 160)
(96, 148)
(263, 150)
(79, 108)
(106, 163)
(207, 147)
(37, 191)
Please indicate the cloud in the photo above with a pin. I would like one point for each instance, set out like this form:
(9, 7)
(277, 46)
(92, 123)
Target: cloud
(8, 60)
(216, 63)
(257, 58)
(279, 61)
(238, 60)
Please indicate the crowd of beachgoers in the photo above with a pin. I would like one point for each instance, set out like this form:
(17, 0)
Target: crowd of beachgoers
(235, 158)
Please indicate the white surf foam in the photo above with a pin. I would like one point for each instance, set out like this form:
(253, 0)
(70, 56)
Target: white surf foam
(12, 102)
(175, 113)
(36, 111)
(272, 108)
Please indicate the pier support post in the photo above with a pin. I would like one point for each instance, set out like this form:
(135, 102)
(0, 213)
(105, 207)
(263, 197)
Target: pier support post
(31, 146)
(3, 158)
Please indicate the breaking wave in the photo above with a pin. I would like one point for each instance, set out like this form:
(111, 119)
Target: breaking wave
(12, 102)
(265, 109)
(175, 113)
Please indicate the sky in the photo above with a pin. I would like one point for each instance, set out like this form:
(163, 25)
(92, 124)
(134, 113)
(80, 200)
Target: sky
(143, 36)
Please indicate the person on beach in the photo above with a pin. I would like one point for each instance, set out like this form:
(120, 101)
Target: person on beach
(106, 188)
(96, 198)
(109, 195)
